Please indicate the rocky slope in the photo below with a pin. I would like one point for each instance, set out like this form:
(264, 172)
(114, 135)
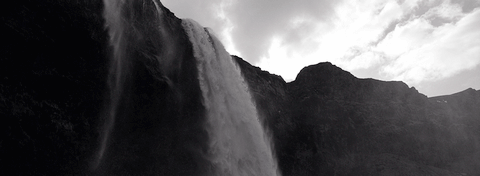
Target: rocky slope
(55, 86)
(328, 122)
(53, 69)
(55, 93)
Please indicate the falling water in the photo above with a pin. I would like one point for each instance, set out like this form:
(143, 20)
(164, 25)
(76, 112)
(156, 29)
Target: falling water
(117, 71)
(238, 144)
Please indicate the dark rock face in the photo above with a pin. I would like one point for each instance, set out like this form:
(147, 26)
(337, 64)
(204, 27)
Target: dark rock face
(55, 71)
(270, 91)
(55, 97)
(52, 89)
(327, 122)
(158, 127)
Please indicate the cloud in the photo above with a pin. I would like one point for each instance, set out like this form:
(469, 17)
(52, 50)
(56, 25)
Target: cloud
(202, 11)
(427, 53)
(405, 37)
(208, 13)
(346, 38)
(257, 22)
(284, 36)
(415, 41)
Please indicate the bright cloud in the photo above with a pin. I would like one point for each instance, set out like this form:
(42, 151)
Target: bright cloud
(403, 42)
(346, 39)
(416, 41)
(438, 52)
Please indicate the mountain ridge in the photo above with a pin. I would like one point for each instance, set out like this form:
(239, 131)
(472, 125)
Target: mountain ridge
(329, 118)
(319, 65)
(56, 85)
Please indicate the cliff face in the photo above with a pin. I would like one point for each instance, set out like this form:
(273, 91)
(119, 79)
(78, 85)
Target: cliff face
(55, 97)
(56, 92)
(329, 122)
(268, 90)
(52, 85)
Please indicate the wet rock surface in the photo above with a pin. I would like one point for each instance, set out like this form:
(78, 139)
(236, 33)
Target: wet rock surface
(328, 122)
(54, 94)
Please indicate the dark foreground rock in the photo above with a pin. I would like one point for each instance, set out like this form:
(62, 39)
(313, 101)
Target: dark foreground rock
(328, 122)
(55, 98)
(53, 75)
(55, 93)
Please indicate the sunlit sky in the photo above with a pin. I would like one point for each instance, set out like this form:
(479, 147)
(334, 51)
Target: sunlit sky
(432, 45)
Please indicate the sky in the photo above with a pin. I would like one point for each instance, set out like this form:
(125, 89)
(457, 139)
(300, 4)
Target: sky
(432, 45)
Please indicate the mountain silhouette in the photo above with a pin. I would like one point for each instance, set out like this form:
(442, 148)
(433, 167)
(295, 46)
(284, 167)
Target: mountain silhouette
(56, 93)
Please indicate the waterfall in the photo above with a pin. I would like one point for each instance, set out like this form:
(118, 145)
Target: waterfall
(140, 33)
(238, 144)
(117, 73)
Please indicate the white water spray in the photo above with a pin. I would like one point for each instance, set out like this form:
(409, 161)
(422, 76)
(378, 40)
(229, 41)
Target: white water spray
(238, 144)
(117, 71)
